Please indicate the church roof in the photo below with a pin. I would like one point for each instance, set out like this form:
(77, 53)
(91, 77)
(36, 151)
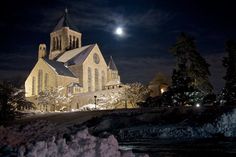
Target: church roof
(65, 21)
(59, 68)
(76, 55)
(112, 64)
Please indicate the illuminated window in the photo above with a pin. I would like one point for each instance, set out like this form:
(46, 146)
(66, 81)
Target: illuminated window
(33, 85)
(40, 80)
(96, 80)
(89, 79)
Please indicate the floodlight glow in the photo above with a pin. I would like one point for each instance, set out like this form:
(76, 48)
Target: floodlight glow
(162, 90)
(198, 105)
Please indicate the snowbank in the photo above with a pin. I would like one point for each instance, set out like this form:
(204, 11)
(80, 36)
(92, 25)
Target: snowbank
(24, 142)
(82, 144)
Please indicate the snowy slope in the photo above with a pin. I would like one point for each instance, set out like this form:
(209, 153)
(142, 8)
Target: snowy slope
(225, 125)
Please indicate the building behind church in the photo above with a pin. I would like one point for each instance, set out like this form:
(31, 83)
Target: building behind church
(75, 67)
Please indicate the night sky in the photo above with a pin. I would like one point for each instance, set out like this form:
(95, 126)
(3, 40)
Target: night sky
(151, 28)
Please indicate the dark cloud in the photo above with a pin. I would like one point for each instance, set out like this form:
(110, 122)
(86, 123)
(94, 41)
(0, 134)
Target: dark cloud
(16, 62)
(143, 69)
(152, 26)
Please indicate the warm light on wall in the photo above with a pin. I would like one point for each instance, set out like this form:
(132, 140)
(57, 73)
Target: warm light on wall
(162, 90)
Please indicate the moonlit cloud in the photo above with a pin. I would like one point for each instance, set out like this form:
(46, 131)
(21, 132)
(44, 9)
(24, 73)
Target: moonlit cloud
(94, 15)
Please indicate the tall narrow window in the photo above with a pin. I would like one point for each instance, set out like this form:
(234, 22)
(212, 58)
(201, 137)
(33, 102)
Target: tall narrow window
(70, 46)
(103, 80)
(54, 43)
(96, 80)
(46, 81)
(89, 79)
(40, 80)
(77, 42)
(73, 41)
(33, 85)
(60, 42)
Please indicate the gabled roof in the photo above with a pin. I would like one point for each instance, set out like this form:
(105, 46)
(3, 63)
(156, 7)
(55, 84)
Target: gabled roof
(76, 55)
(112, 64)
(59, 68)
(65, 21)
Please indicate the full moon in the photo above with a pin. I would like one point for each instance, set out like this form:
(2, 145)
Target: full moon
(119, 31)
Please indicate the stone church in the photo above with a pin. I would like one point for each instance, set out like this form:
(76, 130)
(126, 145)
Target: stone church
(75, 68)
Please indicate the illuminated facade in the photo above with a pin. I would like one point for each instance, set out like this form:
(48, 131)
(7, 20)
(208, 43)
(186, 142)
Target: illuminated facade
(76, 68)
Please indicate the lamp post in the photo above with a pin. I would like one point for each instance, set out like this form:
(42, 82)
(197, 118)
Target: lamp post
(95, 101)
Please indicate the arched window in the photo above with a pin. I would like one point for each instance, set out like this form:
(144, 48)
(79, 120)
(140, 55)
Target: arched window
(70, 42)
(40, 80)
(96, 80)
(54, 43)
(73, 41)
(46, 81)
(89, 79)
(33, 85)
(77, 42)
(103, 80)
(60, 42)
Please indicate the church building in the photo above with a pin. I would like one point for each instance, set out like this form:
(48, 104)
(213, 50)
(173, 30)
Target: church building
(69, 65)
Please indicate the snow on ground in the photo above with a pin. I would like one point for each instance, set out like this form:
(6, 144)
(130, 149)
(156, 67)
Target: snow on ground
(81, 144)
(90, 107)
(223, 126)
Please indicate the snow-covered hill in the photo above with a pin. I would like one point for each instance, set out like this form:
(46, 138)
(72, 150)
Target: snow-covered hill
(225, 125)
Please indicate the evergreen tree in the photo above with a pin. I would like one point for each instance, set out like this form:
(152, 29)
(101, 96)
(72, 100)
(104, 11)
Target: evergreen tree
(11, 100)
(186, 53)
(228, 95)
(182, 92)
(190, 77)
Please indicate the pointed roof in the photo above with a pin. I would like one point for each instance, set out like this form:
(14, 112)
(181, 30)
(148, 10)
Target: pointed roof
(59, 68)
(112, 64)
(65, 21)
(77, 55)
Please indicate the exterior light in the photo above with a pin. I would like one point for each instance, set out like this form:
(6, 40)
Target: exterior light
(162, 90)
(198, 105)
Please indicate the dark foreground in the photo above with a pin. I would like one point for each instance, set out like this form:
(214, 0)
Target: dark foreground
(134, 129)
(183, 148)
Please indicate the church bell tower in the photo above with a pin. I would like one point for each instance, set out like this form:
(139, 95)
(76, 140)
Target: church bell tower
(64, 37)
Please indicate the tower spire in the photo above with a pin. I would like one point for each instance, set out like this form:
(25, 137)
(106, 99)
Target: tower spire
(112, 64)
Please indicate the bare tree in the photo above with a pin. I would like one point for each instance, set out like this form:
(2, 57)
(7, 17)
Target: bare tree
(54, 99)
(136, 92)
